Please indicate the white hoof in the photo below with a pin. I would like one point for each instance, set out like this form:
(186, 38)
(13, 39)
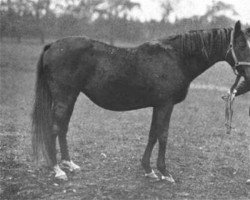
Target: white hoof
(70, 165)
(152, 174)
(60, 174)
(168, 178)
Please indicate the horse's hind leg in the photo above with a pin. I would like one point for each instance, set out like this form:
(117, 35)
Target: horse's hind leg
(66, 161)
(64, 99)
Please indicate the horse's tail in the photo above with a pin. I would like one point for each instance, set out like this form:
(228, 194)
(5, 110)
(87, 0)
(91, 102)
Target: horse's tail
(42, 115)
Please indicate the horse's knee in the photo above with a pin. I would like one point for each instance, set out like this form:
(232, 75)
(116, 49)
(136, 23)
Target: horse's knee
(163, 139)
(152, 139)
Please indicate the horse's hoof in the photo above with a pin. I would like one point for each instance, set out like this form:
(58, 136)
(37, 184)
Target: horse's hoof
(60, 174)
(71, 166)
(168, 178)
(62, 177)
(152, 174)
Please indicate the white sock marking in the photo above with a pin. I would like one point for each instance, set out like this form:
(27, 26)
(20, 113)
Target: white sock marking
(71, 165)
(59, 173)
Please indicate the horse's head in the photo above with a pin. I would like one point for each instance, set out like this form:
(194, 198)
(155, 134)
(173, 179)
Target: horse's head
(239, 51)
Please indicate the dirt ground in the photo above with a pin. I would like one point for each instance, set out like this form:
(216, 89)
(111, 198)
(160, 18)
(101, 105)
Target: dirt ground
(206, 163)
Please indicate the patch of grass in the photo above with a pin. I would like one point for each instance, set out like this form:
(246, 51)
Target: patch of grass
(207, 163)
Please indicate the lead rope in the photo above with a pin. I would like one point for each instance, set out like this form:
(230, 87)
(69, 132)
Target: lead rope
(229, 99)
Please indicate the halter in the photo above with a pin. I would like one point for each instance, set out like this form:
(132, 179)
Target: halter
(230, 97)
(236, 62)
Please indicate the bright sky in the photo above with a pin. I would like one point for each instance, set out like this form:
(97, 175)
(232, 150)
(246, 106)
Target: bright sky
(150, 9)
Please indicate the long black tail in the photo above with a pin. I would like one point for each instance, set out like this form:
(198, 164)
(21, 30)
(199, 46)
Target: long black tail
(42, 114)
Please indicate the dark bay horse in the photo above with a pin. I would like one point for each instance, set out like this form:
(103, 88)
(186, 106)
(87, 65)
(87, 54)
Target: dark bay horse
(154, 74)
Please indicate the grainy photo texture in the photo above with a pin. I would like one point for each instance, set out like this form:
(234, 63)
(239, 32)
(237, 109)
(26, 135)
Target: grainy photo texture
(125, 99)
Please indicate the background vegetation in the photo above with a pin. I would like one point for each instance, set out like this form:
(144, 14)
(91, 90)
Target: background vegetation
(108, 20)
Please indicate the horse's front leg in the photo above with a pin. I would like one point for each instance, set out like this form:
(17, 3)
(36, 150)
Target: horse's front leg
(163, 120)
(152, 139)
(158, 130)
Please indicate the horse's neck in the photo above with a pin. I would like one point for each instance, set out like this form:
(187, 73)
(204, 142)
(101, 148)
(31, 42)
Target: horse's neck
(219, 47)
(212, 47)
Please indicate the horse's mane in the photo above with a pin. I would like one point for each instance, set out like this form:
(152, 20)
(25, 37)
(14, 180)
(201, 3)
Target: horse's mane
(200, 42)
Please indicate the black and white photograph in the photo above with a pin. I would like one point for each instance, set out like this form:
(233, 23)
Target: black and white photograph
(125, 100)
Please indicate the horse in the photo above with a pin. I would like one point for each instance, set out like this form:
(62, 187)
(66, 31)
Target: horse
(154, 74)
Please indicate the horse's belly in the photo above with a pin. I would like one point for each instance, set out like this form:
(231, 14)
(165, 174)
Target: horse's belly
(119, 98)
(118, 103)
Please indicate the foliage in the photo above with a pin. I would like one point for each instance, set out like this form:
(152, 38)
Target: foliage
(107, 20)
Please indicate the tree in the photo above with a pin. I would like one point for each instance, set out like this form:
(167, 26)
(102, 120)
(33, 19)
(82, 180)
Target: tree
(112, 10)
(87, 8)
(11, 10)
(167, 10)
(40, 9)
(217, 8)
(25, 16)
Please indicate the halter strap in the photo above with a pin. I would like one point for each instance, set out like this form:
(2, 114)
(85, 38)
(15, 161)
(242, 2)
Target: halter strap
(231, 49)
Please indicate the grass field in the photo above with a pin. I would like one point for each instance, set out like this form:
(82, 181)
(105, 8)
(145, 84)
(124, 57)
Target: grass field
(207, 163)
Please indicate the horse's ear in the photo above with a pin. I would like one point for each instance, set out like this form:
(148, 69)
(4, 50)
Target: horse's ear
(237, 29)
